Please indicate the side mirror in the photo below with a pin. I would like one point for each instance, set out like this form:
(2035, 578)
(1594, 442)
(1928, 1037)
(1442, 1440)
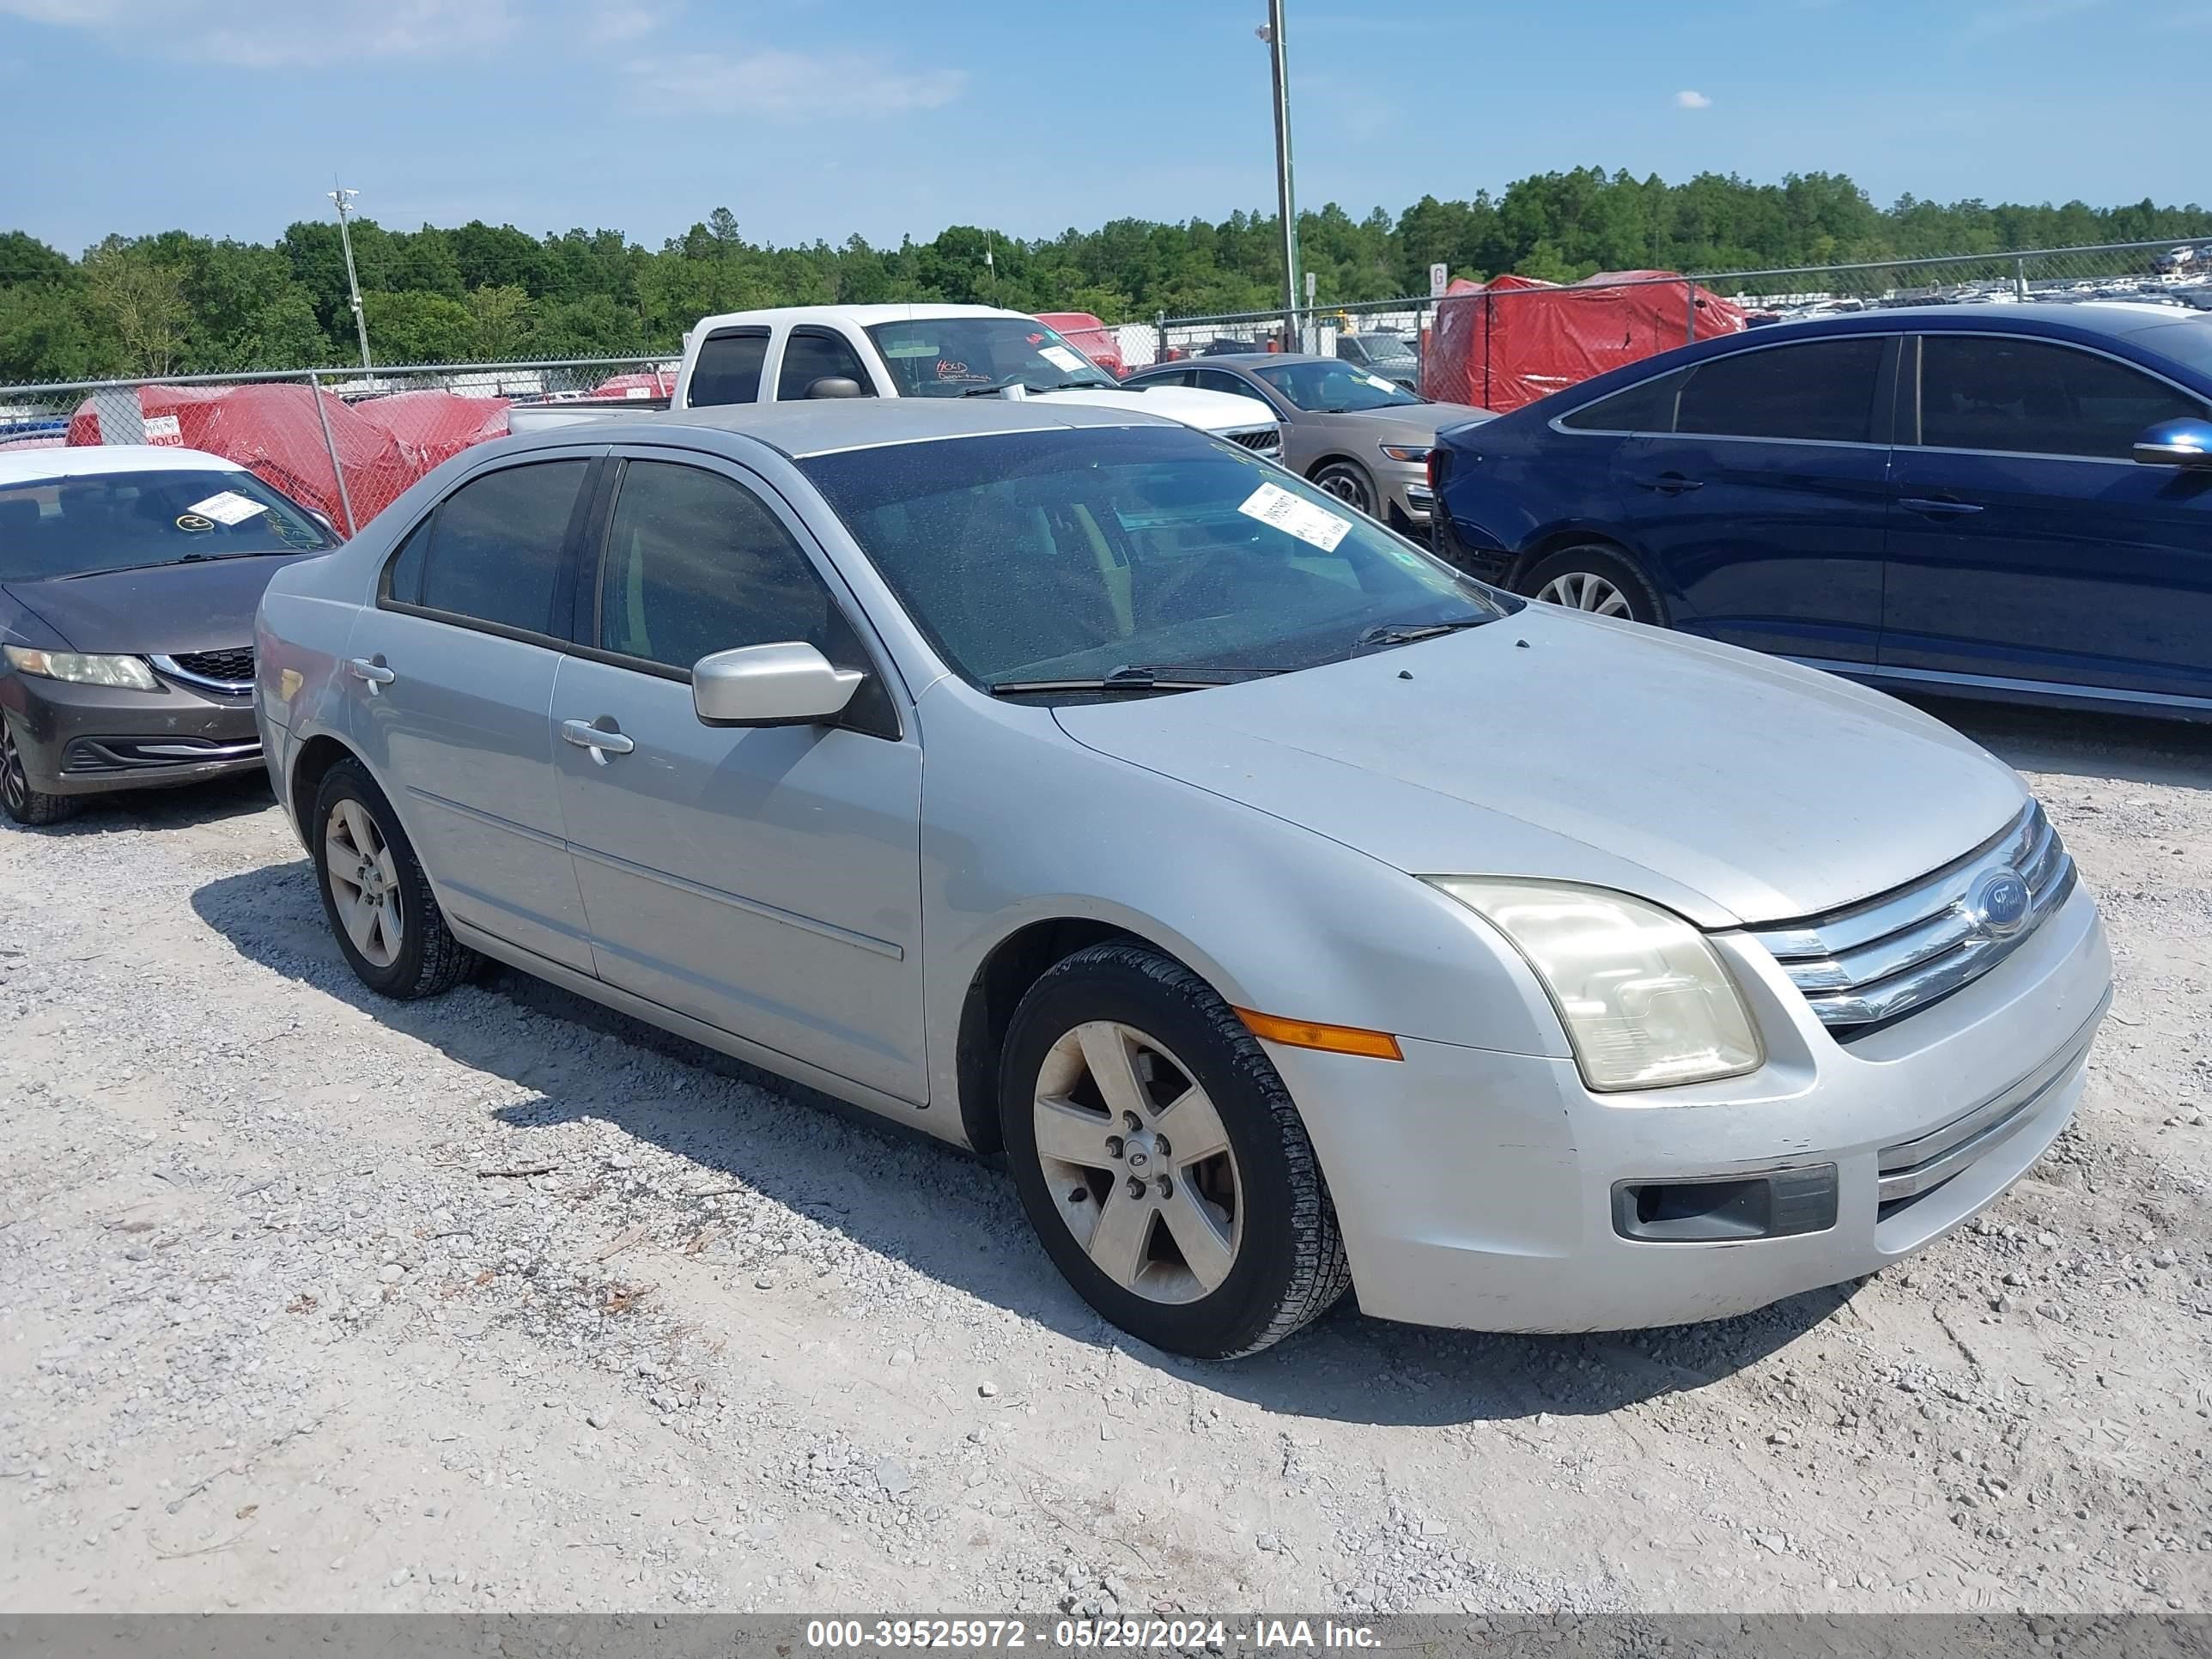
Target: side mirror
(2184, 442)
(786, 684)
(834, 386)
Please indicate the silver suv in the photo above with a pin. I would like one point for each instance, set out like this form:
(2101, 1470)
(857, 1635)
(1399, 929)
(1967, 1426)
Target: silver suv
(1292, 911)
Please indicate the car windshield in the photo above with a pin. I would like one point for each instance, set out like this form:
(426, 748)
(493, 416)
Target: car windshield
(1386, 349)
(74, 526)
(2187, 341)
(1061, 556)
(1333, 388)
(956, 357)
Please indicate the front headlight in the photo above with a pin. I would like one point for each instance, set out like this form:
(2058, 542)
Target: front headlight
(1645, 1002)
(130, 672)
(1419, 452)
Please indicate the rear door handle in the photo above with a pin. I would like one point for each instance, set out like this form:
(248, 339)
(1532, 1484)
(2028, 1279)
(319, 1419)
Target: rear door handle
(598, 739)
(1670, 483)
(375, 673)
(1937, 509)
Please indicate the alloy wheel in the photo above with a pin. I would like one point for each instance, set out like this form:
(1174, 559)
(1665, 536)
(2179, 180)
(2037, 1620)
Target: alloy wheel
(364, 881)
(1580, 590)
(14, 782)
(1347, 486)
(1138, 1162)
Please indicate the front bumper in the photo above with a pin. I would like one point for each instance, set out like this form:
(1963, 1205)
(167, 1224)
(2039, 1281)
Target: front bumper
(1479, 1189)
(93, 739)
(1406, 488)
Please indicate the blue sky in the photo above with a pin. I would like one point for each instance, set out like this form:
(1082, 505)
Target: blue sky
(818, 118)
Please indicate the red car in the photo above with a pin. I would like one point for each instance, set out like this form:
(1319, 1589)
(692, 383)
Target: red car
(1089, 336)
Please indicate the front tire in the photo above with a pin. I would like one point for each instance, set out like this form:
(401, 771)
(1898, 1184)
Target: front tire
(1597, 579)
(1349, 482)
(1161, 1160)
(381, 910)
(33, 808)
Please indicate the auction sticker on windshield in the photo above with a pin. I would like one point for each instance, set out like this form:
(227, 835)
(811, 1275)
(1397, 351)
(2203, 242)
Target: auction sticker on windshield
(228, 507)
(1060, 358)
(1274, 505)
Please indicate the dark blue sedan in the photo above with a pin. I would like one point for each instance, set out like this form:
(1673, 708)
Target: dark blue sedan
(2002, 500)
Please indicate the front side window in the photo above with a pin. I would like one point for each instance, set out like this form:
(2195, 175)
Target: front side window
(695, 564)
(1334, 388)
(728, 367)
(97, 522)
(960, 357)
(818, 354)
(1060, 555)
(2038, 398)
(1820, 391)
(491, 553)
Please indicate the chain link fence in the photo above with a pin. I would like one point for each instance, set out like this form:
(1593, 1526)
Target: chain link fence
(345, 442)
(1468, 346)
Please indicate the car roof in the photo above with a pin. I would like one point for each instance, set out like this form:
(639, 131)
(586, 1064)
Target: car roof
(88, 460)
(819, 426)
(864, 316)
(1246, 360)
(2111, 316)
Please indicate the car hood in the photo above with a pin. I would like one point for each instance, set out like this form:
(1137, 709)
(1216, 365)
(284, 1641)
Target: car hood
(1733, 788)
(1209, 411)
(1415, 423)
(159, 611)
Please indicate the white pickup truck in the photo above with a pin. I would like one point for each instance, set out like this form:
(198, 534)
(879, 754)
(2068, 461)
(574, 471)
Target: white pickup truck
(904, 351)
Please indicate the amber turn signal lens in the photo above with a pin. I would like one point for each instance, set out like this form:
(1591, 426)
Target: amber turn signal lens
(1329, 1039)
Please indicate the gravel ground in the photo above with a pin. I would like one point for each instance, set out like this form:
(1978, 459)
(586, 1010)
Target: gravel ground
(503, 1302)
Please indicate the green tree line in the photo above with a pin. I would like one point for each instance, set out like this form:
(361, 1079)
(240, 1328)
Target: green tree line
(176, 303)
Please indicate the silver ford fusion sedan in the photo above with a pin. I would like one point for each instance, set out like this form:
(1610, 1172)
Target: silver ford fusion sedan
(1290, 911)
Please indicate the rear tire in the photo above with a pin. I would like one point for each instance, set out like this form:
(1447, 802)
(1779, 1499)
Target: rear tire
(381, 911)
(32, 808)
(1180, 1195)
(1596, 578)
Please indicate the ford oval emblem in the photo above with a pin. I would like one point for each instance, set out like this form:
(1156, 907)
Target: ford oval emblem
(1997, 903)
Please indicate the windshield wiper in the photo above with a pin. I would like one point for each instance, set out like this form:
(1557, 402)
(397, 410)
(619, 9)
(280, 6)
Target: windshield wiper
(182, 558)
(1135, 677)
(1384, 633)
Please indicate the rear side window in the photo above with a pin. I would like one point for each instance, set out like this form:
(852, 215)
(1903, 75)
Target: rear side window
(1648, 407)
(818, 354)
(2038, 398)
(1821, 390)
(728, 367)
(494, 548)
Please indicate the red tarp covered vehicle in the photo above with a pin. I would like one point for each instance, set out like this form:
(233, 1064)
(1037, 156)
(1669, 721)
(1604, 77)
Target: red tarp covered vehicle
(1516, 339)
(430, 426)
(1089, 336)
(271, 430)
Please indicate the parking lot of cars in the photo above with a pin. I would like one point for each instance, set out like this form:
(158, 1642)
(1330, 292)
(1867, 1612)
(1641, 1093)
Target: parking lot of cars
(1280, 914)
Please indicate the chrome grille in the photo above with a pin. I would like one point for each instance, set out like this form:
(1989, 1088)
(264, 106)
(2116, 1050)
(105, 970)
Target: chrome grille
(220, 670)
(1871, 963)
(1268, 440)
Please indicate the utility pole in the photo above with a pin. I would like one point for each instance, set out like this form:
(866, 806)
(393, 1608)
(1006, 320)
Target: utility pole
(1286, 198)
(343, 197)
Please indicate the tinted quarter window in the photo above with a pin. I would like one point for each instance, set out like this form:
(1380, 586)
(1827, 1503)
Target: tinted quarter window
(1649, 407)
(696, 564)
(404, 575)
(495, 545)
(2038, 398)
(728, 370)
(816, 354)
(1822, 390)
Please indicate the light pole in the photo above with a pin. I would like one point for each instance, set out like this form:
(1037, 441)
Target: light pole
(343, 197)
(1286, 198)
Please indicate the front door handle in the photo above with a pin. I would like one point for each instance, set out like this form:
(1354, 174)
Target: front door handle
(1670, 483)
(1938, 508)
(375, 673)
(601, 741)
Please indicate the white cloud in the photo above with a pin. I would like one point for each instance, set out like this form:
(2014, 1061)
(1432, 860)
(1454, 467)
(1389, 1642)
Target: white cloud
(1692, 100)
(787, 86)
